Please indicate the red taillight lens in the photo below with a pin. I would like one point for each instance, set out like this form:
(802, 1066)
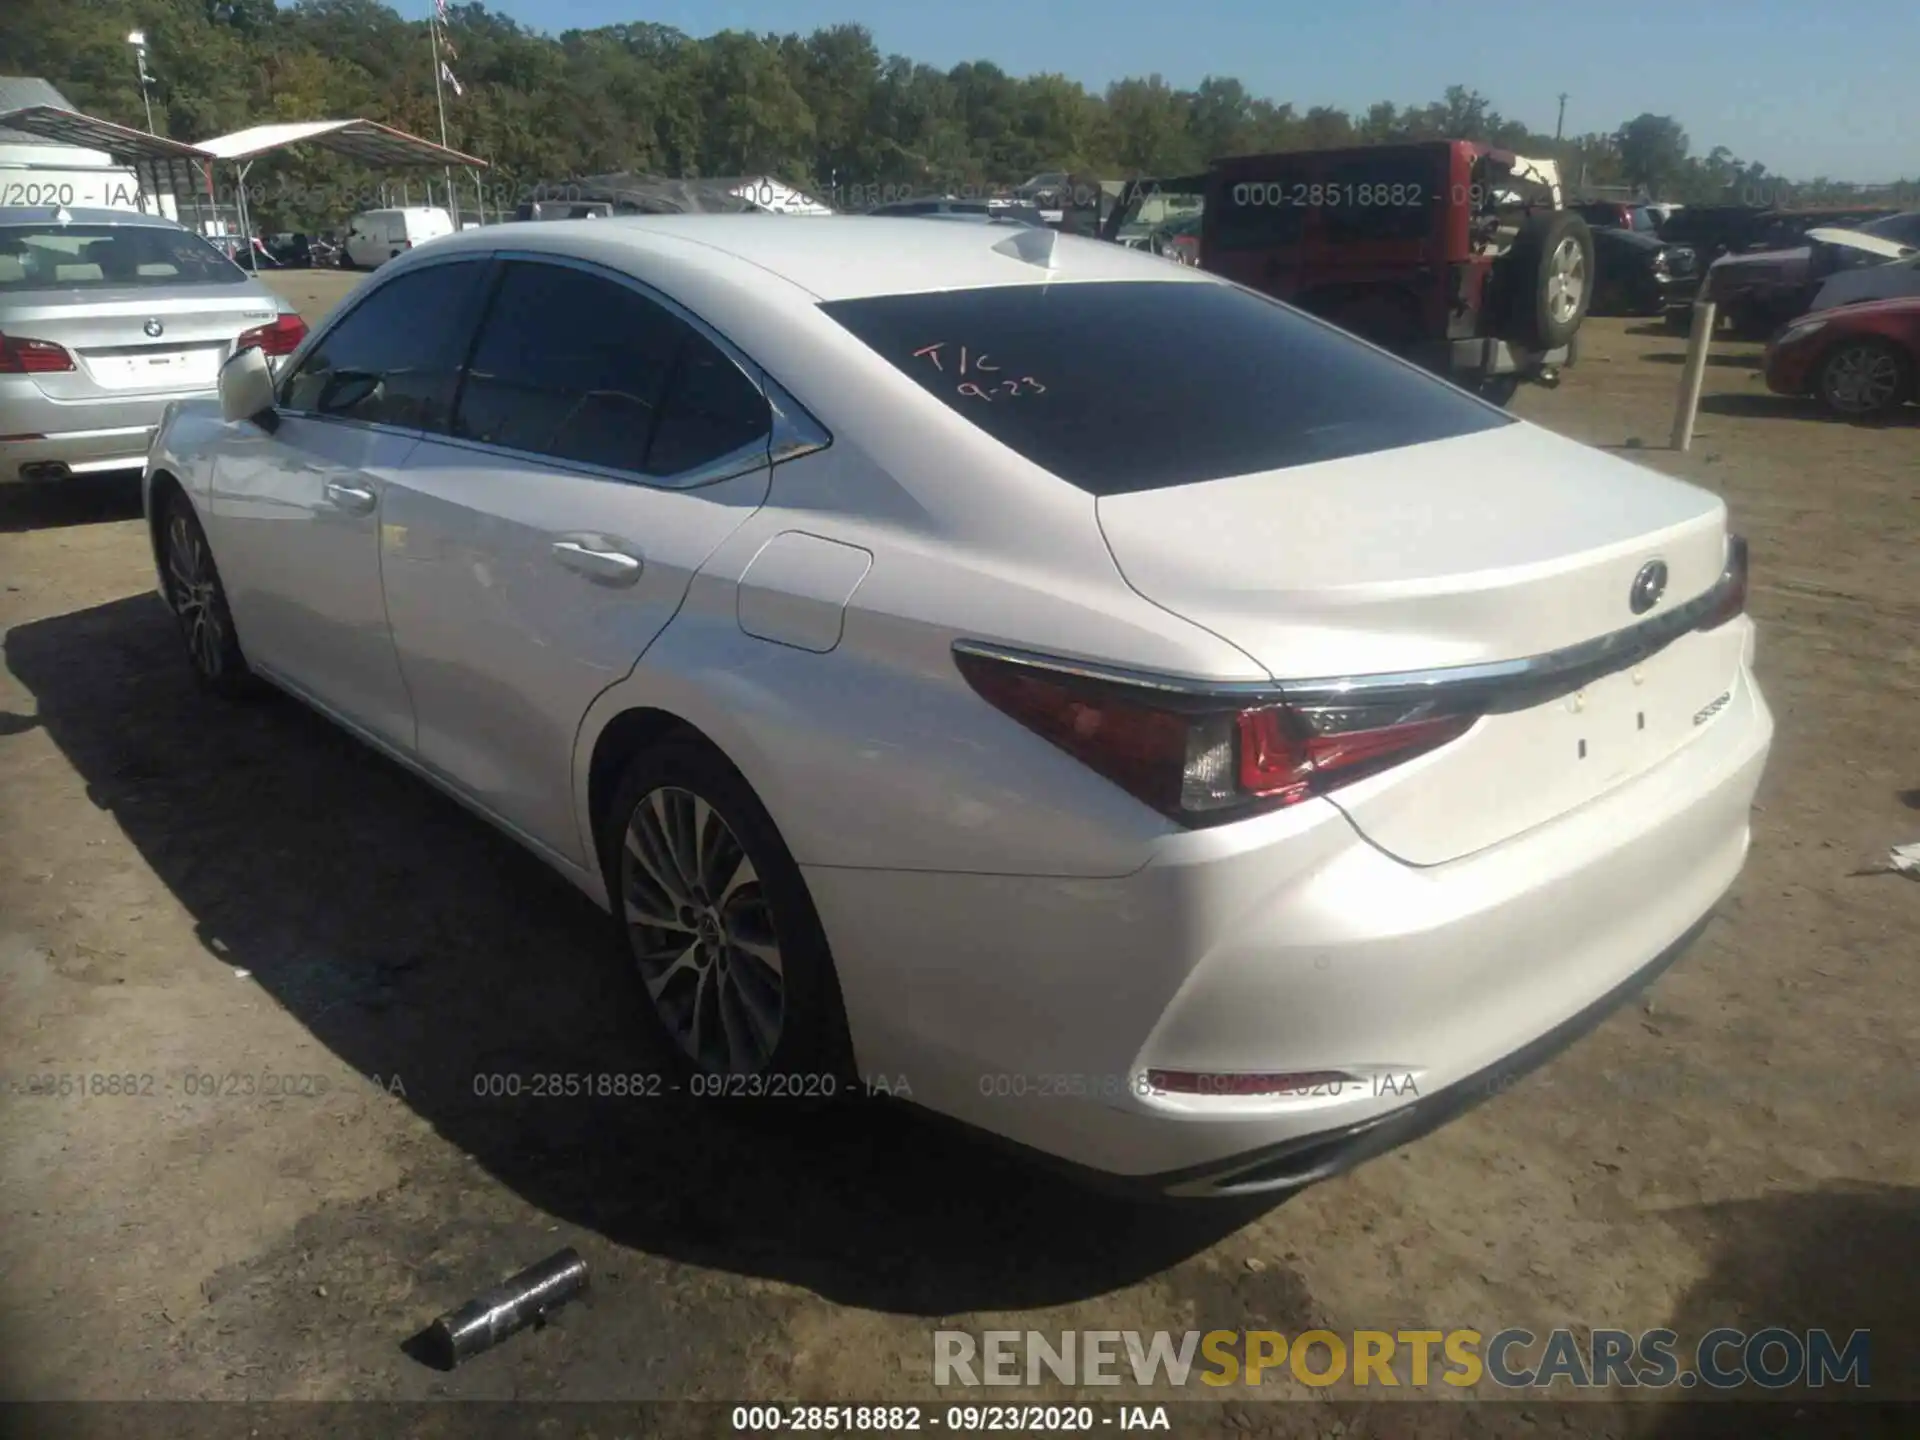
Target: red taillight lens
(1141, 749)
(1289, 753)
(1203, 761)
(1732, 591)
(32, 357)
(282, 337)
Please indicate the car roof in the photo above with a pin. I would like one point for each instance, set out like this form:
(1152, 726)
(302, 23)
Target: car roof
(838, 257)
(82, 215)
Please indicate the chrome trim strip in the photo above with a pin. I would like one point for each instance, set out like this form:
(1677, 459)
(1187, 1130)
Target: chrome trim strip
(793, 432)
(743, 461)
(1566, 668)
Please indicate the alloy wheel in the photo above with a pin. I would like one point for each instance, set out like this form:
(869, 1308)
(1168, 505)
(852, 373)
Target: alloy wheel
(1861, 380)
(702, 932)
(194, 587)
(1566, 281)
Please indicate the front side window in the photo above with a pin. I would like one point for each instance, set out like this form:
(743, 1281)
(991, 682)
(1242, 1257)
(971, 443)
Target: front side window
(1118, 386)
(393, 358)
(585, 369)
(50, 256)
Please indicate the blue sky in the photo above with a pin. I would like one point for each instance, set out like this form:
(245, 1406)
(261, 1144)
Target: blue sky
(1804, 87)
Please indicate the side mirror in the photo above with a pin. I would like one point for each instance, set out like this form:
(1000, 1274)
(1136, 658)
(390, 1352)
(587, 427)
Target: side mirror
(246, 387)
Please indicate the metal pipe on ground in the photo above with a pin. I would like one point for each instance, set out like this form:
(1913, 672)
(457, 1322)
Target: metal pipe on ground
(510, 1307)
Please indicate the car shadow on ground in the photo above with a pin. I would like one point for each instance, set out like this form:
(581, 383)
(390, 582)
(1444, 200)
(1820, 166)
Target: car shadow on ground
(1839, 1259)
(414, 941)
(1787, 407)
(1731, 362)
(83, 500)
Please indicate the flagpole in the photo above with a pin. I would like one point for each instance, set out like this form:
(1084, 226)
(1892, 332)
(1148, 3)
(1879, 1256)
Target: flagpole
(440, 100)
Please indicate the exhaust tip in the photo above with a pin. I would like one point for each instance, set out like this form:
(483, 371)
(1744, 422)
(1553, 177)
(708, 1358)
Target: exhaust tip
(45, 470)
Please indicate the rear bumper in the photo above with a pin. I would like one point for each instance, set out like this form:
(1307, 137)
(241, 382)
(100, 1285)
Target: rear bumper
(1033, 1007)
(1292, 1164)
(75, 452)
(42, 438)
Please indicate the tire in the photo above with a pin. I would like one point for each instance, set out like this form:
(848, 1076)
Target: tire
(706, 1004)
(1864, 379)
(1547, 281)
(198, 600)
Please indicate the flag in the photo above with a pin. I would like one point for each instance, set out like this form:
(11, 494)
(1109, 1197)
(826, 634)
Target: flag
(447, 45)
(446, 74)
(441, 6)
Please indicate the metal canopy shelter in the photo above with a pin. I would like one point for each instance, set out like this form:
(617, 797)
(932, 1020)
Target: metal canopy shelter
(364, 140)
(367, 141)
(152, 156)
(160, 165)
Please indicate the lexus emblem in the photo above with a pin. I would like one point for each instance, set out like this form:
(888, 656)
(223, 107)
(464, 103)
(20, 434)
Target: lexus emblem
(1648, 586)
(153, 329)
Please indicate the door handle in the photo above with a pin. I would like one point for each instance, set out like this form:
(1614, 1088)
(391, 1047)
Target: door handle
(350, 498)
(608, 567)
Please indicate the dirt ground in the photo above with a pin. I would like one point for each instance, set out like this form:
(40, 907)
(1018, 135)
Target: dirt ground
(232, 900)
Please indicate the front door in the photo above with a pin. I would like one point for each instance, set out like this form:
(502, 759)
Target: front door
(601, 449)
(295, 511)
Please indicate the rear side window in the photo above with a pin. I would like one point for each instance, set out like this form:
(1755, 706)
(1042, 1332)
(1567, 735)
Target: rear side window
(569, 365)
(711, 410)
(108, 257)
(393, 358)
(585, 369)
(1138, 385)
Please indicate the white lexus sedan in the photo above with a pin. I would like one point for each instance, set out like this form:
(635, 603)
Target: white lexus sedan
(1133, 717)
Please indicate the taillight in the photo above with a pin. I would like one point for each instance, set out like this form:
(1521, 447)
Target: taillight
(1203, 760)
(282, 337)
(32, 357)
(1730, 596)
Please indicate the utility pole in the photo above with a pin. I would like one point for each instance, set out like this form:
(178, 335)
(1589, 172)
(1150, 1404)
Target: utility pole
(138, 40)
(440, 99)
(1560, 125)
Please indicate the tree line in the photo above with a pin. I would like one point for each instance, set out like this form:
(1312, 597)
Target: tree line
(827, 111)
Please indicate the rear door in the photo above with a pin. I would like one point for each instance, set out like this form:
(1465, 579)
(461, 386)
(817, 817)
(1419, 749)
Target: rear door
(602, 446)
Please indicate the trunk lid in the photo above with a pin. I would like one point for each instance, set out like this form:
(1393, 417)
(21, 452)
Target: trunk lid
(1499, 546)
(106, 333)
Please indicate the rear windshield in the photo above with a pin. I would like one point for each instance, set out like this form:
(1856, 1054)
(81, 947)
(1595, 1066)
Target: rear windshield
(104, 257)
(1138, 385)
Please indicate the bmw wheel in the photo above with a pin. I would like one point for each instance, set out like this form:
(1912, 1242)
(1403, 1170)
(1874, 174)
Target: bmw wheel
(734, 974)
(199, 604)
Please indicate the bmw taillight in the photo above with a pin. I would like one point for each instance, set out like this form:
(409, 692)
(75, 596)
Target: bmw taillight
(282, 337)
(32, 357)
(1206, 759)
(1730, 596)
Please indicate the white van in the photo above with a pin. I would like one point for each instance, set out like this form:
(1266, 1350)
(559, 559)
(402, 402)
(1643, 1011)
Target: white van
(376, 236)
